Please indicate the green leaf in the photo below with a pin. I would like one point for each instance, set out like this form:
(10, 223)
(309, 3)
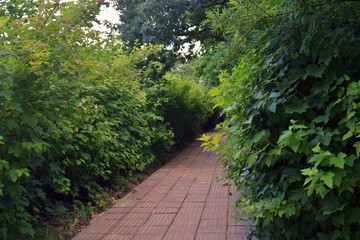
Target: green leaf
(327, 138)
(297, 107)
(296, 73)
(327, 178)
(338, 161)
(357, 148)
(349, 134)
(6, 94)
(352, 89)
(272, 107)
(294, 145)
(251, 159)
(322, 118)
(316, 149)
(315, 71)
(216, 139)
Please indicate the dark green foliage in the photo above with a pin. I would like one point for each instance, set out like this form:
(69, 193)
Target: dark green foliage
(292, 105)
(182, 102)
(167, 22)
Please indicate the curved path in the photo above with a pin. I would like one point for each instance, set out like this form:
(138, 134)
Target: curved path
(185, 199)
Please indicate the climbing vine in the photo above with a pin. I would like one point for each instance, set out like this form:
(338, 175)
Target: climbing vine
(292, 106)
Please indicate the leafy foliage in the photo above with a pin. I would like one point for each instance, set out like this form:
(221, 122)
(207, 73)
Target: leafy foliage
(292, 116)
(169, 23)
(73, 114)
(187, 107)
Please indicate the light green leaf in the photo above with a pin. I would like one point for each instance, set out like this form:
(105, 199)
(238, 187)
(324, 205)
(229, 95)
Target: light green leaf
(251, 159)
(338, 161)
(216, 139)
(352, 89)
(294, 145)
(349, 134)
(316, 149)
(327, 178)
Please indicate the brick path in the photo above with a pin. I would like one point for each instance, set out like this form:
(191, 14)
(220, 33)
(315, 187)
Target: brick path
(185, 199)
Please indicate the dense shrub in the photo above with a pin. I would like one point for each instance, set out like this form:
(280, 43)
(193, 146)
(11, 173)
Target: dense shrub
(73, 115)
(187, 106)
(292, 105)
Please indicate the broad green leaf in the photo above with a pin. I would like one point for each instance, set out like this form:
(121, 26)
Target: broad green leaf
(284, 138)
(327, 178)
(297, 107)
(6, 94)
(272, 107)
(309, 171)
(322, 118)
(338, 161)
(321, 190)
(296, 73)
(216, 139)
(352, 89)
(327, 138)
(315, 71)
(316, 149)
(251, 159)
(204, 138)
(294, 145)
(290, 211)
(268, 160)
(349, 134)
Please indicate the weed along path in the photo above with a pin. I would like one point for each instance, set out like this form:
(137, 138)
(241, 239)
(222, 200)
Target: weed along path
(184, 200)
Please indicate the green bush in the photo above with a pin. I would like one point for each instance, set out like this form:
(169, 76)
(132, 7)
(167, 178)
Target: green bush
(73, 115)
(187, 106)
(292, 127)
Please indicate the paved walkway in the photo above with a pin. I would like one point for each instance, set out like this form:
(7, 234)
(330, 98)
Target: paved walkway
(185, 199)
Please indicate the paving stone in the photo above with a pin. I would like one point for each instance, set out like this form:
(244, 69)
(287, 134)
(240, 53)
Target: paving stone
(148, 237)
(211, 236)
(160, 220)
(218, 212)
(152, 230)
(196, 198)
(89, 236)
(118, 237)
(162, 210)
(113, 216)
(101, 226)
(212, 226)
(124, 230)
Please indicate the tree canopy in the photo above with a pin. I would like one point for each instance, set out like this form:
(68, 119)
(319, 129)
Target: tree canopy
(168, 22)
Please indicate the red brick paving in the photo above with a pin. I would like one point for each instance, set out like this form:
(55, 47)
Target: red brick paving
(183, 200)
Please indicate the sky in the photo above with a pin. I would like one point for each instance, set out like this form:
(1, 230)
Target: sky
(109, 14)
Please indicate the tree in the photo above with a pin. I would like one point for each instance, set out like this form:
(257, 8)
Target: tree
(171, 23)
